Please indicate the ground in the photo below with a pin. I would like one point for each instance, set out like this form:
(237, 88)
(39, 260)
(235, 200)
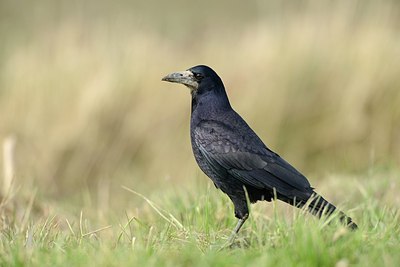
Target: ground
(183, 227)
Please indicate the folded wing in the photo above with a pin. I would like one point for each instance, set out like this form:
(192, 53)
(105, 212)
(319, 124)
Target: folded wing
(243, 155)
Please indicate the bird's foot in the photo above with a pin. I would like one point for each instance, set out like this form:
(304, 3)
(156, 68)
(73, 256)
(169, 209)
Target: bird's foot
(232, 237)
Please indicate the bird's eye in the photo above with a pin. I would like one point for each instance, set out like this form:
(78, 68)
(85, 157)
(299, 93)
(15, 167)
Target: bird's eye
(198, 76)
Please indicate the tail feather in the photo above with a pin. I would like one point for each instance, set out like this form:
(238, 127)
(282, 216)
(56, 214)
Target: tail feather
(319, 206)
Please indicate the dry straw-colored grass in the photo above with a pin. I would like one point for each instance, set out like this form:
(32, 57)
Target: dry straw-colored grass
(81, 89)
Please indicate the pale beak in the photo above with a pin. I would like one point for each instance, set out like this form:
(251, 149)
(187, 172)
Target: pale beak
(184, 77)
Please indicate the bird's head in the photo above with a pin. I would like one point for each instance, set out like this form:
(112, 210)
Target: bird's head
(199, 79)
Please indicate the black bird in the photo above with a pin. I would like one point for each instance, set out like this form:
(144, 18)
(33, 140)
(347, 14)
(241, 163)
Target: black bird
(229, 152)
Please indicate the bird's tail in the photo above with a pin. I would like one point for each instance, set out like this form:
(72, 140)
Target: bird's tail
(319, 206)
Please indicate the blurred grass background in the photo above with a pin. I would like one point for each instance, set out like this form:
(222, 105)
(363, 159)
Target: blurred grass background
(80, 88)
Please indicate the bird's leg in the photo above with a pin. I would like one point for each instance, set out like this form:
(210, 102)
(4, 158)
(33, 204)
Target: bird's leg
(237, 228)
(241, 211)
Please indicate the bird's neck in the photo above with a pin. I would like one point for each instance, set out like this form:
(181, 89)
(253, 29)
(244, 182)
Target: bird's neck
(209, 104)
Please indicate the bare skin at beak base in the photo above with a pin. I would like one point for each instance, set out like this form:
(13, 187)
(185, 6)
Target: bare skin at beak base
(184, 77)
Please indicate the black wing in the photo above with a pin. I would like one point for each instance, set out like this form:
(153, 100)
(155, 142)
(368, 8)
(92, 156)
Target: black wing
(243, 155)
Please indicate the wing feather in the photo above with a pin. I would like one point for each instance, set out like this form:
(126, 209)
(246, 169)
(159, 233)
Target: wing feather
(243, 155)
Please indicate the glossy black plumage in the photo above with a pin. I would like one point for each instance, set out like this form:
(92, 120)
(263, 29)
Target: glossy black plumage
(229, 152)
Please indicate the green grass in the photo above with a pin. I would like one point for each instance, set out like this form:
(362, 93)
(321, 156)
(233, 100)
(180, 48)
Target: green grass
(190, 228)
